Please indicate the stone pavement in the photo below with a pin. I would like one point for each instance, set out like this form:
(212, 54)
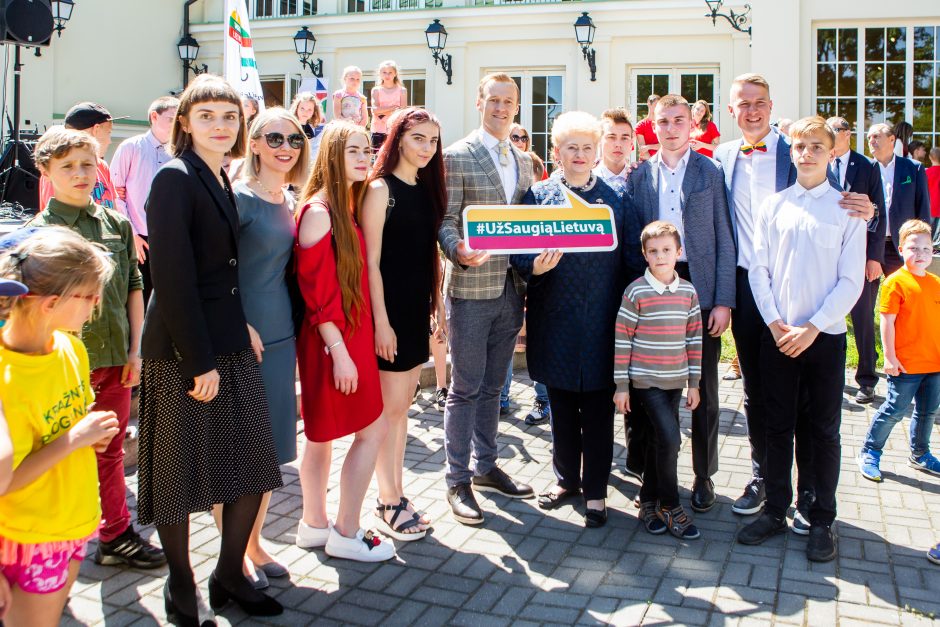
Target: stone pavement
(528, 567)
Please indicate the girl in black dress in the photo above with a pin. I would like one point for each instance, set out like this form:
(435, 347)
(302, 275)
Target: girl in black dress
(205, 433)
(400, 217)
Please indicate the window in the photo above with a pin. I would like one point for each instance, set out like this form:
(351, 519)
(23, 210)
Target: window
(414, 85)
(542, 100)
(363, 6)
(283, 8)
(899, 68)
(692, 83)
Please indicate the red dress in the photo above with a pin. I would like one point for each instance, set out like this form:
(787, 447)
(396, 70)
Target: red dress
(329, 414)
(707, 136)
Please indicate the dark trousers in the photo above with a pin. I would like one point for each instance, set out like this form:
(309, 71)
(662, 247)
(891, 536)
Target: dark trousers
(748, 327)
(635, 427)
(705, 416)
(582, 428)
(145, 274)
(893, 261)
(816, 377)
(660, 480)
(863, 322)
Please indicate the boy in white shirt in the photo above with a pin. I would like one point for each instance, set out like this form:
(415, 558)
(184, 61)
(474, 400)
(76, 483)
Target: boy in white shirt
(806, 275)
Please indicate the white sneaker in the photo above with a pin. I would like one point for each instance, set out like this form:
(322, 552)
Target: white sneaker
(312, 537)
(367, 546)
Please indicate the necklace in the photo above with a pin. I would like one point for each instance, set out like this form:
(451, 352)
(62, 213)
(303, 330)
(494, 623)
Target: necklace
(580, 188)
(266, 190)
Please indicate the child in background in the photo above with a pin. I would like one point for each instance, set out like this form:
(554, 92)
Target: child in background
(657, 352)
(933, 188)
(388, 96)
(910, 307)
(66, 159)
(49, 509)
(348, 103)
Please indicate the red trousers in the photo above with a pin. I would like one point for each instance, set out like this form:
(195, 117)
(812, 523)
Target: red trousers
(111, 395)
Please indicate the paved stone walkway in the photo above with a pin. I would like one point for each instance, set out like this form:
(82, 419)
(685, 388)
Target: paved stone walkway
(527, 567)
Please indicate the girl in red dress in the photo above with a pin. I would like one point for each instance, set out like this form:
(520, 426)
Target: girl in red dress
(705, 135)
(339, 376)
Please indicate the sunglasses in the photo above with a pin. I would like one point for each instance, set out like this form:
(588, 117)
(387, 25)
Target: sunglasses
(294, 140)
(519, 138)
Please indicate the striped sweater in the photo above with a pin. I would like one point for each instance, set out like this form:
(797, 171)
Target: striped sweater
(658, 336)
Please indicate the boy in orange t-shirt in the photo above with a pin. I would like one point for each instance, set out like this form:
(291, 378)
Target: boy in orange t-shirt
(910, 306)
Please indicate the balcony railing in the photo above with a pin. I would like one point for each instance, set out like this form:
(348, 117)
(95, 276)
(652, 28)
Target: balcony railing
(487, 3)
(368, 6)
(282, 8)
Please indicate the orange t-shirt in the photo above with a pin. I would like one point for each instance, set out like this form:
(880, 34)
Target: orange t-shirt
(916, 302)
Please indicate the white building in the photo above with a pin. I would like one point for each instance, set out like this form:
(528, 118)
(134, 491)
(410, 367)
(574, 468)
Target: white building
(867, 60)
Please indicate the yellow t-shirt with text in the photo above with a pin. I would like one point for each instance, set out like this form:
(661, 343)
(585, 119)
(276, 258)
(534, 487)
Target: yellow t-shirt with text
(43, 397)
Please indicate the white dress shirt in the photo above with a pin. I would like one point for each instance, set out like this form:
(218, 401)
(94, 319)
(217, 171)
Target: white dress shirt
(887, 184)
(753, 180)
(617, 180)
(670, 194)
(809, 258)
(843, 165)
(509, 173)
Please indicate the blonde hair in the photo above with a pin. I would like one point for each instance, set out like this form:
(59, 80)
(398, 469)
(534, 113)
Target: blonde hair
(913, 227)
(252, 167)
(350, 69)
(307, 96)
(57, 142)
(812, 125)
(659, 228)
(206, 88)
(496, 77)
(516, 127)
(383, 65)
(575, 122)
(329, 176)
(753, 79)
(53, 261)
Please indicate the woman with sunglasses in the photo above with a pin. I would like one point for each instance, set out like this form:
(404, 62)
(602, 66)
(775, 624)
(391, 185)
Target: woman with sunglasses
(277, 157)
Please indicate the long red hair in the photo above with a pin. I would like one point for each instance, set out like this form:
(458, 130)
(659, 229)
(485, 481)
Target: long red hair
(431, 176)
(329, 175)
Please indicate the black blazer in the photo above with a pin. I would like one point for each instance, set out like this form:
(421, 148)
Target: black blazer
(195, 312)
(910, 198)
(863, 176)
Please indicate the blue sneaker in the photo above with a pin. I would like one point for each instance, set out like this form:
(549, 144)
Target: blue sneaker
(934, 554)
(926, 462)
(868, 464)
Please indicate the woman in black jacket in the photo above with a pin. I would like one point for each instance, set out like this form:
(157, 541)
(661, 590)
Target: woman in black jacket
(205, 434)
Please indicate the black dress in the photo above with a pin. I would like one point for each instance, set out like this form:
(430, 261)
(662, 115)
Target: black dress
(409, 243)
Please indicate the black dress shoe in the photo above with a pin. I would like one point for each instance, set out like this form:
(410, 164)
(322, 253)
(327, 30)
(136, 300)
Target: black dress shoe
(551, 500)
(821, 546)
(595, 517)
(175, 615)
(766, 526)
(498, 481)
(219, 595)
(865, 395)
(703, 495)
(464, 504)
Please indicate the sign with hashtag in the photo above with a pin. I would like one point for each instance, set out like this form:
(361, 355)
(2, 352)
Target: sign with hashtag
(576, 226)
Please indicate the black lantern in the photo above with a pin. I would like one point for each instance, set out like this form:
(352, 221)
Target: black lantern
(738, 21)
(304, 43)
(437, 39)
(188, 50)
(584, 32)
(61, 13)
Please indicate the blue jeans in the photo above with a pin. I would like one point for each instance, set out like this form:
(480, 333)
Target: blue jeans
(482, 338)
(541, 393)
(924, 389)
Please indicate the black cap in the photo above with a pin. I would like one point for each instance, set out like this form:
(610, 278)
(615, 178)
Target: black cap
(84, 115)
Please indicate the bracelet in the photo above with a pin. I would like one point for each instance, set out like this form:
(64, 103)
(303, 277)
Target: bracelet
(327, 349)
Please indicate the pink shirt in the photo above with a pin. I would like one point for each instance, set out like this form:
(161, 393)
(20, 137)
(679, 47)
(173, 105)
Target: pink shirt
(382, 97)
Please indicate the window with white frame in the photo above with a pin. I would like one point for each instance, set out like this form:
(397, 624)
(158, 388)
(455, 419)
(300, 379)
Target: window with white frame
(283, 8)
(414, 84)
(692, 83)
(542, 100)
(880, 74)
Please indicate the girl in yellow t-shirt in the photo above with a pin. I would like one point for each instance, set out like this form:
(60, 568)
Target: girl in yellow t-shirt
(49, 504)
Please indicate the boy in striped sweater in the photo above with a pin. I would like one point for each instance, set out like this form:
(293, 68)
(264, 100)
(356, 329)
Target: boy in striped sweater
(657, 353)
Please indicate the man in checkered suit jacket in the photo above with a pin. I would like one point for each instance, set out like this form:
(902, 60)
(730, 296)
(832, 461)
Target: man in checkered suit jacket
(484, 300)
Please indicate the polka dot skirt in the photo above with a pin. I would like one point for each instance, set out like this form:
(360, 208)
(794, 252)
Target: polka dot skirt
(193, 455)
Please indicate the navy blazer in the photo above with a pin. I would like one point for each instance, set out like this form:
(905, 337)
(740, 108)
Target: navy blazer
(706, 223)
(910, 198)
(862, 175)
(571, 310)
(195, 312)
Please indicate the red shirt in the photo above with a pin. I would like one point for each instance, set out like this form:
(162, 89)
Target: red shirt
(707, 136)
(933, 186)
(645, 130)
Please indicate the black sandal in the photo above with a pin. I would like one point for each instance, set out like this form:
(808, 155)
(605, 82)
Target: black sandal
(405, 502)
(552, 500)
(398, 531)
(595, 517)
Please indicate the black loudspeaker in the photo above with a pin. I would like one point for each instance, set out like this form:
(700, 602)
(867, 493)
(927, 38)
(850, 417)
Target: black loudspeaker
(26, 22)
(19, 178)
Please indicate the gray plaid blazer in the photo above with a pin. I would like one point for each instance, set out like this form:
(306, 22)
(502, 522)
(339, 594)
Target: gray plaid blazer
(472, 179)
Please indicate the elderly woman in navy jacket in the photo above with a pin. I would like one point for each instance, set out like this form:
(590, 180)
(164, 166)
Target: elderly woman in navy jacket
(572, 304)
